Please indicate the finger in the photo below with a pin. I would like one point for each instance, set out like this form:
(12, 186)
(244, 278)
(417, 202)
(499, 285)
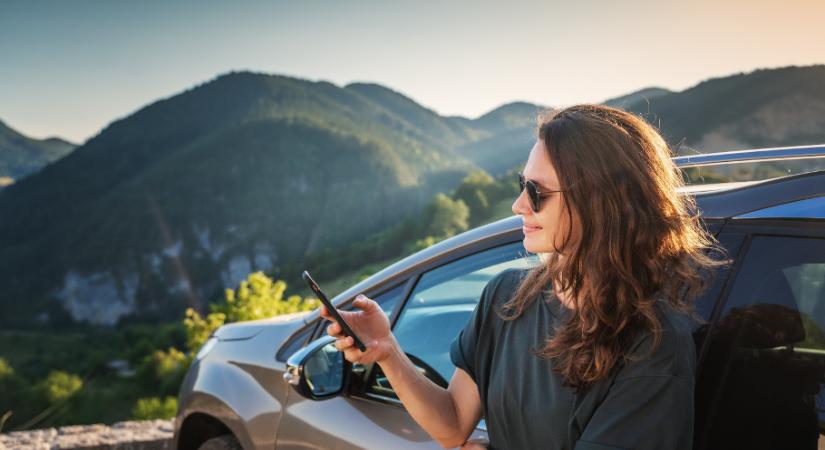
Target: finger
(333, 329)
(326, 315)
(344, 343)
(353, 355)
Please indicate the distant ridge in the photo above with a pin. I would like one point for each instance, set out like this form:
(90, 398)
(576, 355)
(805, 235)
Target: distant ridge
(21, 156)
(763, 108)
(638, 96)
(513, 132)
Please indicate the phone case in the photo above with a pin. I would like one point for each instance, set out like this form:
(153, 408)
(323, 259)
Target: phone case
(333, 311)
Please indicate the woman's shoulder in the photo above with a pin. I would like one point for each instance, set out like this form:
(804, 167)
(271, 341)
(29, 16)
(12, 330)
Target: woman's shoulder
(501, 287)
(675, 354)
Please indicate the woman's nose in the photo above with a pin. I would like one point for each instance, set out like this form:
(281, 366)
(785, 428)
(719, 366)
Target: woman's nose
(521, 206)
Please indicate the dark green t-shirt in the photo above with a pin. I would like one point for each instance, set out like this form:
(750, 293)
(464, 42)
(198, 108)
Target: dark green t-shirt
(645, 404)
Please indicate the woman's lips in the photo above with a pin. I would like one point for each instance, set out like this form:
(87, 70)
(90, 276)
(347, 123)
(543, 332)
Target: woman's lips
(528, 229)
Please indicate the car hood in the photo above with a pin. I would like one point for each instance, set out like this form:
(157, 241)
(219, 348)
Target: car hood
(245, 330)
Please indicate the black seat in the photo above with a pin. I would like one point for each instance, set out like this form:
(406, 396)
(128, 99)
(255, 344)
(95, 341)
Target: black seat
(749, 393)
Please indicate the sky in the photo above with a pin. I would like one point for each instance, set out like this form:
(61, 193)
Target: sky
(68, 68)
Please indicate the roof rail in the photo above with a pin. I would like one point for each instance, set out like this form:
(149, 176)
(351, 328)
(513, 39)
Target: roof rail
(746, 156)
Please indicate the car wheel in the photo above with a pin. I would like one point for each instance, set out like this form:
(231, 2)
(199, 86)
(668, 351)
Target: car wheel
(225, 442)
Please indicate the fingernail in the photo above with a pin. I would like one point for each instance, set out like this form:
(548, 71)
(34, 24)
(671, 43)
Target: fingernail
(360, 297)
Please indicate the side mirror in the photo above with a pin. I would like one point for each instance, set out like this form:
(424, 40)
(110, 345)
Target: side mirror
(318, 371)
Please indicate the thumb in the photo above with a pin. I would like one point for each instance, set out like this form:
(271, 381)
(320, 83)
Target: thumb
(365, 304)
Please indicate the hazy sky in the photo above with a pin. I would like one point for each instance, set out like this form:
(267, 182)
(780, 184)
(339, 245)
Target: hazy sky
(68, 68)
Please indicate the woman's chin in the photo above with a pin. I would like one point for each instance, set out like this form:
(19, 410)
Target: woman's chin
(533, 245)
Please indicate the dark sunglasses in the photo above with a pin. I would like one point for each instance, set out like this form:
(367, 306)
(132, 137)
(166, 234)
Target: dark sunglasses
(533, 193)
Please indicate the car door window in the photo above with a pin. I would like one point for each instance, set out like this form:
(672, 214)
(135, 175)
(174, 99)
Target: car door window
(439, 307)
(761, 382)
(295, 343)
(707, 300)
(387, 300)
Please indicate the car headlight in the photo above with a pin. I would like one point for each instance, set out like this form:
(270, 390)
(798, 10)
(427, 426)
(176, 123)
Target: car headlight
(206, 347)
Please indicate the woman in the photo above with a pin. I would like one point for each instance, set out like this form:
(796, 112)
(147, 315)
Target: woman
(591, 349)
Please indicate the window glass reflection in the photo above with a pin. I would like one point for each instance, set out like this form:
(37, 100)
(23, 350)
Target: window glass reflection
(761, 383)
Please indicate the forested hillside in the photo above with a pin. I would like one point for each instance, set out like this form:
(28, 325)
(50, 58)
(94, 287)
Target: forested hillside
(167, 207)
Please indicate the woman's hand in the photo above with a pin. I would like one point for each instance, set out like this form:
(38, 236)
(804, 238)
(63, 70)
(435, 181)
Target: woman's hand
(449, 415)
(370, 324)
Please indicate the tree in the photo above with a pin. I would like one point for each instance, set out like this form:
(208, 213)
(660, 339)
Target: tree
(474, 191)
(445, 217)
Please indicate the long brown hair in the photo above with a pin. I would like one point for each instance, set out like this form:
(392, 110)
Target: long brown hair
(639, 240)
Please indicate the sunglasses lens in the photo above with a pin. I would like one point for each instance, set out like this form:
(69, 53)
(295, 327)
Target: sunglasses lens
(532, 192)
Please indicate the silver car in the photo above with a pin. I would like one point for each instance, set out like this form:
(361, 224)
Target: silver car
(280, 383)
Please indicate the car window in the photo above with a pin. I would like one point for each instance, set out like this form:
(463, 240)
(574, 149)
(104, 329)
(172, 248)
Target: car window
(706, 302)
(440, 306)
(387, 300)
(296, 342)
(761, 382)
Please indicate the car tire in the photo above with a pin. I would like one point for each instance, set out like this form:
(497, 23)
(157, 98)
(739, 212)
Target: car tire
(225, 442)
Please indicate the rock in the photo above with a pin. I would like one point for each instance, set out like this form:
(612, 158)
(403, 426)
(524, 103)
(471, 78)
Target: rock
(133, 435)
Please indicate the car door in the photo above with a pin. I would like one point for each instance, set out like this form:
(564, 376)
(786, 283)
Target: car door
(762, 369)
(308, 424)
(370, 416)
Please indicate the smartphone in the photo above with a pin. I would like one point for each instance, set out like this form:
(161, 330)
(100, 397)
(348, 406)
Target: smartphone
(332, 311)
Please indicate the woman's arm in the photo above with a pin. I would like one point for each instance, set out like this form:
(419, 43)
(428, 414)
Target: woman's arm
(448, 415)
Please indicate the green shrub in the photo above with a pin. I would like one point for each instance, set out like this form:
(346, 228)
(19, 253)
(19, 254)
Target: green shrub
(151, 408)
(162, 371)
(6, 371)
(60, 385)
(257, 297)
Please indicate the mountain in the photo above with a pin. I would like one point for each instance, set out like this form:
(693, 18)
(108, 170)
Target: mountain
(511, 131)
(425, 123)
(510, 116)
(763, 108)
(21, 155)
(638, 96)
(165, 208)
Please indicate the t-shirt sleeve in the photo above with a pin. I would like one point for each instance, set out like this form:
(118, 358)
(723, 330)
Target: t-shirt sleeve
(463, 350)
(644, 412)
